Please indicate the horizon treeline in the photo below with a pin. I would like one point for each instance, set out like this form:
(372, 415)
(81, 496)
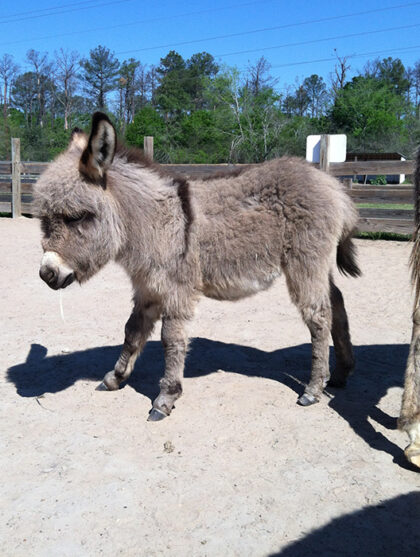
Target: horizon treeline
(201, 112)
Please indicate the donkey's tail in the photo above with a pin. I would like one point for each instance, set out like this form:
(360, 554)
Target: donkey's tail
(346, 256)
(415, 252)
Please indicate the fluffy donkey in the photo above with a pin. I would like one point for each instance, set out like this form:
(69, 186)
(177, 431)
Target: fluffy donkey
(225, 237)
(409, 420)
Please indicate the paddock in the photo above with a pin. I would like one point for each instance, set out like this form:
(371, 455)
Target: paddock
(253, 474)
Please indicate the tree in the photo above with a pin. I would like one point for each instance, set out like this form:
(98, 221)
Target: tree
(258, 77)
(24, 94)
(201, 68)
(390, 71)
(297, 104)
(339, 77)
(316, 93)
(8, 71)
(42, 70)
(67, 64)
(127, 86)
(100, 74)
(368, 110)
(414, 80)
(171, 95)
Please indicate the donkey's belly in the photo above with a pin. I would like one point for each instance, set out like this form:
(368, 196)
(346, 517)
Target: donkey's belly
(237, 287)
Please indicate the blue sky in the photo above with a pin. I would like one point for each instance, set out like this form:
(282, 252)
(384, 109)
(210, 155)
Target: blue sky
(297, 37)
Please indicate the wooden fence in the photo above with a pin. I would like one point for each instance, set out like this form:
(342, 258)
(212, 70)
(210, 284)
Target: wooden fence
(17, 179)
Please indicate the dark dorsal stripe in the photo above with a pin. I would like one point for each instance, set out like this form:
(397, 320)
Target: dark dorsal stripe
(183, 190)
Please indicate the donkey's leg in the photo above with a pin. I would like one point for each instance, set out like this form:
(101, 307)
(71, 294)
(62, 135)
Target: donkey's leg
(309, 290)
(341, 338)
(175, 344)
(409, 419)
(137, 330)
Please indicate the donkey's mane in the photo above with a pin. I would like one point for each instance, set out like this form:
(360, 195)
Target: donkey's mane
(135, 155)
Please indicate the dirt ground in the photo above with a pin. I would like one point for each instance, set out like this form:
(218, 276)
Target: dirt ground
(238, 469)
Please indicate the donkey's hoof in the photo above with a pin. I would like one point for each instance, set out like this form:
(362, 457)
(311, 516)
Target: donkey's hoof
(156, 415)
(307, 399)
(102, 387)
(110, 382)
(412, 454)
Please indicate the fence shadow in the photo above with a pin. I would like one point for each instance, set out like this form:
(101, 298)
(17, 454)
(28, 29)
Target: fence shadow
(387, 529)
(379, 367)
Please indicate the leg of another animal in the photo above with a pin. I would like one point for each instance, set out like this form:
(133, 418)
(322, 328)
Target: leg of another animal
(137, 330)
(341, 338)
(409, 419)
(174, 342)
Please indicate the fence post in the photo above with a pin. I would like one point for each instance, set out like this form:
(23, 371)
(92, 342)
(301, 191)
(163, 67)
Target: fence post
(324, 153)
(16, 182)
(148, 146)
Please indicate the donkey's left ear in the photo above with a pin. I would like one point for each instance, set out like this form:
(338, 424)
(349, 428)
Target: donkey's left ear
(100, 150)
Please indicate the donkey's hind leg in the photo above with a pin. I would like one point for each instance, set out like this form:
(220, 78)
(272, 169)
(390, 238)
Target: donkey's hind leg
(409, 419)
(175, 343)
(137, 330)
(341, 338)
(309, 290)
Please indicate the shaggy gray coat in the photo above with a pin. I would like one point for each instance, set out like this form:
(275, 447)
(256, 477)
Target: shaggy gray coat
(409, 419)
(225, 237)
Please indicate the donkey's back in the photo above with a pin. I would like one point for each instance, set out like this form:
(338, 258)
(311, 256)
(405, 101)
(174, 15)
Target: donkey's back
(268, 219)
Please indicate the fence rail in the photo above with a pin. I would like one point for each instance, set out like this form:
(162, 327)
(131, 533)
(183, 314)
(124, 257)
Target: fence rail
(17, 179)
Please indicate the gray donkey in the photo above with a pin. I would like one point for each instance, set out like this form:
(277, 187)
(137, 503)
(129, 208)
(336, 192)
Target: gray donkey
(226, 236)
(409, 420)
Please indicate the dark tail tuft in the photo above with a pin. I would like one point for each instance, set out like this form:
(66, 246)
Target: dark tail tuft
(346, 257)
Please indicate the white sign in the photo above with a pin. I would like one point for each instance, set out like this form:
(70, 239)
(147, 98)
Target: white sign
(338, 148)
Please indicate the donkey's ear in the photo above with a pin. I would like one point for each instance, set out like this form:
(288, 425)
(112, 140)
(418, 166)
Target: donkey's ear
(100, 150)
(78, 139)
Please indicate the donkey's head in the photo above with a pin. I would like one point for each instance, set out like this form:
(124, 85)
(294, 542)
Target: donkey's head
(79, 216)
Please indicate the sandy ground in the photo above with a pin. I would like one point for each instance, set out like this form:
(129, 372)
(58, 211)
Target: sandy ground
(238, 469)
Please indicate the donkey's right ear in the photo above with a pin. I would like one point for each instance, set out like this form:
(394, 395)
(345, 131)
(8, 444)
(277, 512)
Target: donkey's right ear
(100, 150)
(78, 139)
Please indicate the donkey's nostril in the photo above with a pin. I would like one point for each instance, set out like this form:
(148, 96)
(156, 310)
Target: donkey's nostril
(47, 274)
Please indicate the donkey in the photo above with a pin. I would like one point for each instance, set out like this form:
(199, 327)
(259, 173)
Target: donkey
(409, 420)
(225, 237)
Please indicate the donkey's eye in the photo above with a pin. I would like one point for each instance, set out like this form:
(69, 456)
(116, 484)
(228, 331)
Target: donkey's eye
(77, 219)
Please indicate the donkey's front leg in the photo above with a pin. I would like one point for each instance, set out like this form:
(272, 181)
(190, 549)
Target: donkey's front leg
(137, 330)
(409, 419)
(175, 343)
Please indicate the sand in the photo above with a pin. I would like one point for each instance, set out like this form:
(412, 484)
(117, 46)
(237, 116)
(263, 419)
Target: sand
(238, 469)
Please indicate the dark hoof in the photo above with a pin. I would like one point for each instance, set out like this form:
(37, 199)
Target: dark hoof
(102, 387)
(111, 382)
(156, 415)
(306, 400)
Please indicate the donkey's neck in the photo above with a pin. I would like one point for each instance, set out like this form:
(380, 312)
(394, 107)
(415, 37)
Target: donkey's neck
(151, 217)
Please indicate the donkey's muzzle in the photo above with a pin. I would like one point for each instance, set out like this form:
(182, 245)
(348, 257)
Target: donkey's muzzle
(54, 272)
(54, 279)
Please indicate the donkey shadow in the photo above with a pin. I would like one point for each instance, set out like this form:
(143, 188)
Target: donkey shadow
(379, 367)
(366, 532)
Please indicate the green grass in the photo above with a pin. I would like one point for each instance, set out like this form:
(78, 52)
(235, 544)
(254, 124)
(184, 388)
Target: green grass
(383, 236)
(408, 206)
